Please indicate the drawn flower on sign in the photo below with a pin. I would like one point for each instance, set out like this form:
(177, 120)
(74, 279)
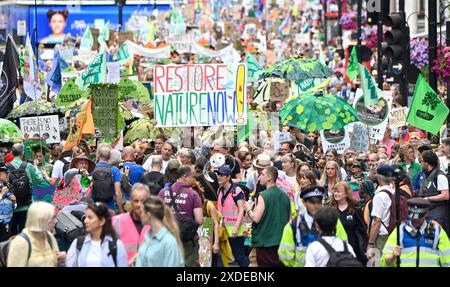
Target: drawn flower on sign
(430, 100)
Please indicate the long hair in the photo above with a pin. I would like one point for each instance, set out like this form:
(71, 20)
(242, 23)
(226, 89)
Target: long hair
(324, 178)
(39, 216)
(156, 207)
(351, 201)
(309, 175)
(102, 212)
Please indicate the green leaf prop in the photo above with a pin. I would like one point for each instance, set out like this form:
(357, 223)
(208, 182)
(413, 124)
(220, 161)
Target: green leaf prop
(69, 93)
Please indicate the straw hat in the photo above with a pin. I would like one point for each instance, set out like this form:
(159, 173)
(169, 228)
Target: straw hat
(262, 161)
(91, 164)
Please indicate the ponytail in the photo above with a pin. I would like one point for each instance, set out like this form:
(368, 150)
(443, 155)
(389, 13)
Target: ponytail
(171, 224)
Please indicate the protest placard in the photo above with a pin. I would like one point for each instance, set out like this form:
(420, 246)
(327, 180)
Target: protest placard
(200, 95)
(105, 99)
(206, 232)
(339, 140)
(279, 90)
(360, 138)
(69, 93)
(123, 36)
(180, 44)
(375, 117)
(48, 128)
(397, 117)
(66, 76)
(113, 76)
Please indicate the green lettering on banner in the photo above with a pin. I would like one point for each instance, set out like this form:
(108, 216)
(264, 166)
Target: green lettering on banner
(105, 109)
(69, 93)
(160, 109)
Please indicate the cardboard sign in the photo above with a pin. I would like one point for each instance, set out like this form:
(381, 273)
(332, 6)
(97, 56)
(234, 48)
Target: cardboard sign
(229, 28)
(376, 118)
(123, 36)
(105, 98)
(279, 91)
(188, 13)
(360, 138)
(113, 76)
(200, 95)
(397, 117)
(339, 140)
(48, 128)
(206, 232)
(21, 28)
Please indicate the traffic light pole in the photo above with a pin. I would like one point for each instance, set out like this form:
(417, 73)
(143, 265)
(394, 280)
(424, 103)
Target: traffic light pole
(432, 40)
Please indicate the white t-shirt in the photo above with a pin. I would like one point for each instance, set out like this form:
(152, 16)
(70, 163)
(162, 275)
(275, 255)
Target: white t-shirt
(94, 256)
(444, 160)
(343, 173)
(148, 164)
(318, 256)
(381, 207)
(58, 169)
(291, 179)
(442, 182)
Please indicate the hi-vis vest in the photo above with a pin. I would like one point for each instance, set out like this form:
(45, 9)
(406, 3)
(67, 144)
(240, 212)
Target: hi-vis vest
(294, 243)
(229, 210)
(126, 230)
(431, 249)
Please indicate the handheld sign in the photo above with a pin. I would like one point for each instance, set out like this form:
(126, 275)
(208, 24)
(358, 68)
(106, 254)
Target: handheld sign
(205, 243)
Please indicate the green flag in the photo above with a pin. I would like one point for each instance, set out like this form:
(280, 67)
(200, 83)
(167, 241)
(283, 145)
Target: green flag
(104, 33)
(122, 56)
(427, 111)
(254, 69)
(95, 72)
(88, 40)
(352, 67)
(370, 90)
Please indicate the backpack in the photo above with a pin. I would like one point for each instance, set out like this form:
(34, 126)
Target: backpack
(103, 184)
(20, 183)
(112, 248)
(66, 166)
(188, 226)
(392, 216)
(4, 247)
(153, 183)
(340, 259)
(68, 226)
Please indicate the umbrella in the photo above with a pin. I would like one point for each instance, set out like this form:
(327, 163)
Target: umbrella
(145, 129)
(297, 69)
(317, 111)
(31, 108)
(9, 132)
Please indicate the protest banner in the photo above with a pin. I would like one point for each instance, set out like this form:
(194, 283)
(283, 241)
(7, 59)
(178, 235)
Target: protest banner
(360, 138)
(180, 44)
(200, 95)
(69, 93)
(105, 109)
(397, 117)
(48, 128)
(113, 76)
(206, 232)
(375, 117)
(339, 140)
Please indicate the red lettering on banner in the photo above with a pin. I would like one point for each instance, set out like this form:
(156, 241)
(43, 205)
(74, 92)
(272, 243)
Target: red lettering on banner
(179, 77)
(197, 89)
(208, 76)
(157, 78)
(188, 76)
(219, 88)
(168, 79)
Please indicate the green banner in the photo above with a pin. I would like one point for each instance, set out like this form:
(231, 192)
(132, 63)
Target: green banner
(427, 111)
(95, 72)
(69, 93)
(105, 109)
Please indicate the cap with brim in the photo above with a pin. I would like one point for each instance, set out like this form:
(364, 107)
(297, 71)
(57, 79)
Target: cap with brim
(173, 164)
(313, 192)
(225, 170)
(74, 162)
(262, 161)
(418, 207)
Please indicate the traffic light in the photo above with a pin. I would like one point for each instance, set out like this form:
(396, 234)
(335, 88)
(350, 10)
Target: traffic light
(397, 40)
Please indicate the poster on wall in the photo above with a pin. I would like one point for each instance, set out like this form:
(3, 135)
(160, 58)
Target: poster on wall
(200, 95)
(375, 117)
(48, 128)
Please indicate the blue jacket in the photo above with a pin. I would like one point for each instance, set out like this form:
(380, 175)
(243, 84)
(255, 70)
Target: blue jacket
(6, 208)
(79, 260)
(417, 181)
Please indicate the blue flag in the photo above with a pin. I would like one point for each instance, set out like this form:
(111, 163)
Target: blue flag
(54, 78)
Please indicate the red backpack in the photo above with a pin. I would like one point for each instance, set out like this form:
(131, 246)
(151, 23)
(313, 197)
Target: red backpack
(392, 216)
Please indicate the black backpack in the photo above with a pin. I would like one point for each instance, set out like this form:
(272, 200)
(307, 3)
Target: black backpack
(153, 180)
(66, 166)
(103, 184)
(340, 259)
(188, 226)
(20, 183)
(68, 226)
(112, 248)
(4, 247)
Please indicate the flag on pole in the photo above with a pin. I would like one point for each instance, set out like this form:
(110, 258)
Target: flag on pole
(370, 90)
(427, 111)
(352, 67)
(31, 82)
(9, 78)
(122, 55)
(54, 78)
(87, 41)
(104, 33)
(80, 123)
(254, 69)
